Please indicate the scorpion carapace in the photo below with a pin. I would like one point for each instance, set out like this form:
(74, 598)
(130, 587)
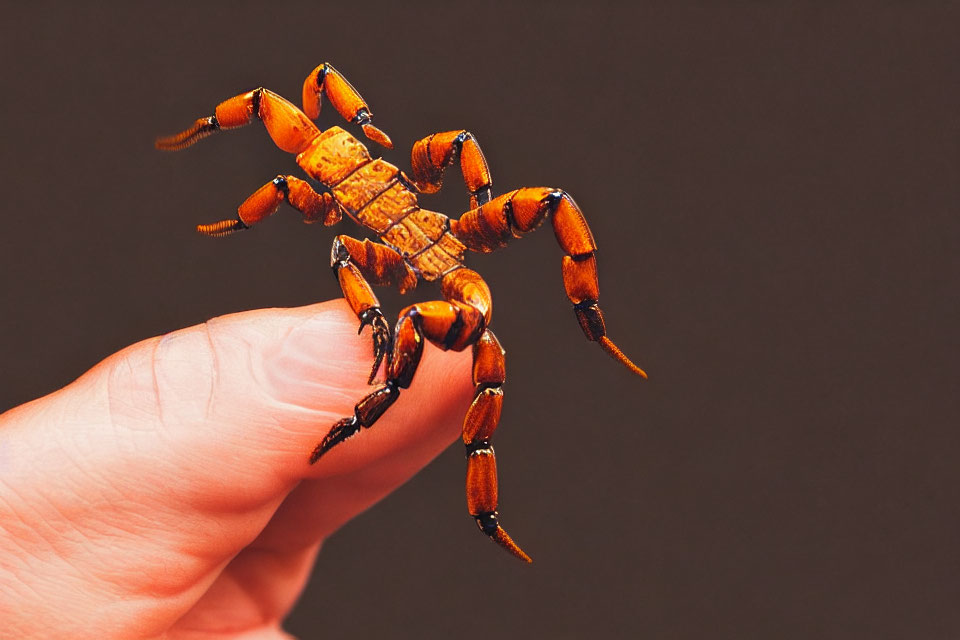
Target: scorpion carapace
(414, 244)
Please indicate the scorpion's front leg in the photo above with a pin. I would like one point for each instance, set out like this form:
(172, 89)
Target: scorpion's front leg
(357, 265)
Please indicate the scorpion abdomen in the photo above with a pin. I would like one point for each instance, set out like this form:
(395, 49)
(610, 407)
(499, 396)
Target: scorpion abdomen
(375, 194)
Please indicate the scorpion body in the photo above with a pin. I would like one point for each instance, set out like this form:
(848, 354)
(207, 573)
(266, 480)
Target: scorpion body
(375, 194)
(415, 244)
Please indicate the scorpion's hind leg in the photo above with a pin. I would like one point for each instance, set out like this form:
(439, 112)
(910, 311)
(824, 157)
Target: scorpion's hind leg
(489, 371)
(466, 287)
(432, 155)
(513, 214)
(289, 128)
(447, 325)
(345, 99)
(358, 265)
(315, 207)
(456, 323)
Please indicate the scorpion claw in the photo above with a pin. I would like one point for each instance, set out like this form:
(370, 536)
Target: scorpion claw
(381, 337)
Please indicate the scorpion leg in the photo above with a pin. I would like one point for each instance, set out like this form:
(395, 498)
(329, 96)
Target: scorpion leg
(455, 323)
(490, 226)
(266, 200)
(289, 128)
(357, 265)
(447, 325)
(344, 98)
(432, 155)
(464, 286)
(478, 427)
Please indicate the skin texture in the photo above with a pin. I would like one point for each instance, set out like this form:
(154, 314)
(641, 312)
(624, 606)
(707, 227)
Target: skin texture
(166, 492)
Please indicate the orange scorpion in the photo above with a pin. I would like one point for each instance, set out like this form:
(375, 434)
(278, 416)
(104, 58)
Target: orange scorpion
(414, 243)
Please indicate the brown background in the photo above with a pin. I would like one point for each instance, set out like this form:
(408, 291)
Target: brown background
(775, 194)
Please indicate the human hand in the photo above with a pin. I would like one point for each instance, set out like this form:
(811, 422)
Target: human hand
(166, 492)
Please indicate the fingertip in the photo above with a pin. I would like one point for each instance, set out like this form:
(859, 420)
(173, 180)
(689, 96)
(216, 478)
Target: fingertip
(423, 421)
(246, 397)
(284, 377)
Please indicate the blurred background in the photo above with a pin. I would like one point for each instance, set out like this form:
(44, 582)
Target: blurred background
(774, 190)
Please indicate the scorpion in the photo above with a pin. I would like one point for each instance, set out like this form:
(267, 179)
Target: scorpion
(414, 244)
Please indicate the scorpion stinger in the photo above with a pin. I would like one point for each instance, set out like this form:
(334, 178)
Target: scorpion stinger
(414, 244)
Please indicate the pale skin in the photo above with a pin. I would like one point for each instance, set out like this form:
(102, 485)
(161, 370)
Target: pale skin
(166, 493)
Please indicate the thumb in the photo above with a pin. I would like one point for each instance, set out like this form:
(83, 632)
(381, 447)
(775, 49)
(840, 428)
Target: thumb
(207, 429)
(242, 398)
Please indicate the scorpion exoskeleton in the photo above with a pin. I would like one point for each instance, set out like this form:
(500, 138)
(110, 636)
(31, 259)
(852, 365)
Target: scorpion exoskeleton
(414, 244)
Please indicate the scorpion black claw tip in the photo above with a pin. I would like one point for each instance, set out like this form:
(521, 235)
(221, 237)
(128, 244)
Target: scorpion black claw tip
(317, 452)
(378, 360)
(340, 432)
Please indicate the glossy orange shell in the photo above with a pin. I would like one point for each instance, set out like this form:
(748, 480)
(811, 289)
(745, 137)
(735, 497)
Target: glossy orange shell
(375, 194)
